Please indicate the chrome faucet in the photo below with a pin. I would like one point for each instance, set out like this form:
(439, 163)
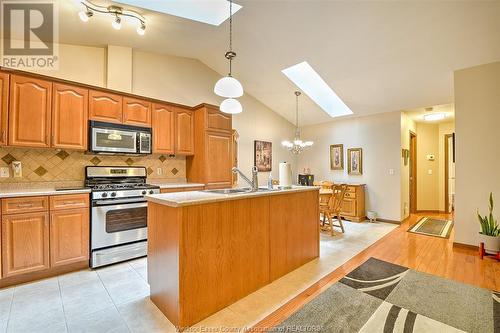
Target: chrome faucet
(254, 183)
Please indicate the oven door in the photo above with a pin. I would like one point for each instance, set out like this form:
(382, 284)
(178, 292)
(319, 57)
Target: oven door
(115, 224)
(106, 140)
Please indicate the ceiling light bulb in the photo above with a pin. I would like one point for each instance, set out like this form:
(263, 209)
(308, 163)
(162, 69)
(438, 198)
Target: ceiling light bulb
(229, 87)
(85, 15)
(117, 23)
(141, 30)
(231, 106)
(434, 116)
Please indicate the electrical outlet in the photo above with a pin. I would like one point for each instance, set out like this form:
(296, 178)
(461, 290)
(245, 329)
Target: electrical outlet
(429, 172)
(391, 172)
(4, 172)
(159, 171)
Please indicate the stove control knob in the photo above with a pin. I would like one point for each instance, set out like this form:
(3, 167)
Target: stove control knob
(104, 195)
(151, 191)
(144, 192)
(113, 194)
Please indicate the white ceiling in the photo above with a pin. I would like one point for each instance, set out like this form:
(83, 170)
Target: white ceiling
(377, 56)
(417, 114)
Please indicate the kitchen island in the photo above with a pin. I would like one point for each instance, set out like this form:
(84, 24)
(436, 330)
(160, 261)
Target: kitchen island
(208, 249)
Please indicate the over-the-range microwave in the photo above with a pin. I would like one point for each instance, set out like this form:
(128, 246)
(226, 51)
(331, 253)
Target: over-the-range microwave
(116, 139)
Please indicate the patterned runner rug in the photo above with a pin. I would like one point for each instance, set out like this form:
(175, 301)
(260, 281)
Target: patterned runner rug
(382, 297)
(432, 227)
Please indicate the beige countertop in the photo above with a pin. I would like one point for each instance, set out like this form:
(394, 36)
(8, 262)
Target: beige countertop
(26, 192)
(179, 199)
(175, 185)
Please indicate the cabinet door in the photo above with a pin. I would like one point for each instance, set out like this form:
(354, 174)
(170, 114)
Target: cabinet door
(217, 120)
(69, 117)
(184, 132)
(29, 112)
(348, 207)
(136, 112)
(4, 107)
(105, 106)
(69, 236)
(163, 129)
(25, 243)
(219, 159)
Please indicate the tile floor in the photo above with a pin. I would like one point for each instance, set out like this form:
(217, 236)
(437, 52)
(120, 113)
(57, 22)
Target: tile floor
(115, 298)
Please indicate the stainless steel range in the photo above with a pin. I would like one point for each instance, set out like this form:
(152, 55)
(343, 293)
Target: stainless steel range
(118, 213)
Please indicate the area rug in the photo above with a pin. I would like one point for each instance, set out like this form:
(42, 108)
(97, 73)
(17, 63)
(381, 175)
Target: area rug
(432, 227)
(382, 297)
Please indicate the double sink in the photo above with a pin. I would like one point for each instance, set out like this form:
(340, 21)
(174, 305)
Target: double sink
(239, 190)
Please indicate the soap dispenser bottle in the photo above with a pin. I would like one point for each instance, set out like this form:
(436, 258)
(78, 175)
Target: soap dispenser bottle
(270, 182)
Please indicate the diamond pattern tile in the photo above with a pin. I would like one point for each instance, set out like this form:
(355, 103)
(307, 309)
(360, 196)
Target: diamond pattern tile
(8, 159)
(162, 158)
(63, 154)
(41, 171)
(150, 171)
(129, 161)
(95, 160)
(174, 171)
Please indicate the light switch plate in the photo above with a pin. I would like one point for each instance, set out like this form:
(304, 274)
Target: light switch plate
(4, 172)
(429, 171)
(391, 172)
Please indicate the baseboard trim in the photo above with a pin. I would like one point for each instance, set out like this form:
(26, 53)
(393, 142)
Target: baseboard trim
(465, 246)
(389, 221)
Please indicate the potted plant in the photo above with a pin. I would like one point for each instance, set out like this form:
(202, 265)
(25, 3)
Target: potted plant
(490, 232)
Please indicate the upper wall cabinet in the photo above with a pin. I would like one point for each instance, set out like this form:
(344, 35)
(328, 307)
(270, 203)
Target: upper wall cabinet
(184, 132)
(69, 117)
(163, 129)
(136, 112)
(105, 106)
(4, 107)
(218, 121)
(29, 112)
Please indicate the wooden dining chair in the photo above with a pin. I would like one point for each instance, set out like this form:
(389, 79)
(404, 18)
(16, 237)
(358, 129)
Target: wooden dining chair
(332, 210)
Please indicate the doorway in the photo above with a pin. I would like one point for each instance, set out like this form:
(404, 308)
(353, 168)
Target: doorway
(413, 173)
(449, 173)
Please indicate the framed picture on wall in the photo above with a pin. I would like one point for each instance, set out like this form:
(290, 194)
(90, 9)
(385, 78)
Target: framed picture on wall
(337, 157)
(263, 155)
(355, 161)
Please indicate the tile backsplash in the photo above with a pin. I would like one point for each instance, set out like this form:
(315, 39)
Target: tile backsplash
(54, 165)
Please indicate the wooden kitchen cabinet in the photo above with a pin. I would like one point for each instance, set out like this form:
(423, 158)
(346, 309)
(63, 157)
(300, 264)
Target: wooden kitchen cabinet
(104, 106)
(353, 206)
(136, 112)
(69, 117)
(184, 132)
(218, 121)
(163, 129)
(69, 236)
(24, 205)
(4, 107)
(219, 163)
(29, 112)
(25, 243)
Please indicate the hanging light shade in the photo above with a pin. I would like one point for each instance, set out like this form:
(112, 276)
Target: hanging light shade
(296, 146)
(228, 86)
(231, 106)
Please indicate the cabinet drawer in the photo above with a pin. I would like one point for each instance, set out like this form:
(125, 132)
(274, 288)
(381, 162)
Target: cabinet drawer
(171, 190)
(351, 189)
(198, 188)
(350, 195)
(24, 205)
(71, 201)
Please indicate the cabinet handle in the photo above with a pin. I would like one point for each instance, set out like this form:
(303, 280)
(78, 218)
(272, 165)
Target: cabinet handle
(24, 205)
(70, 203)
(4, 136)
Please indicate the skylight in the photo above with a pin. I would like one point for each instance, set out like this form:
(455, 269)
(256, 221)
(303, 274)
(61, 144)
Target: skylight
(212, 12)
(309, 81)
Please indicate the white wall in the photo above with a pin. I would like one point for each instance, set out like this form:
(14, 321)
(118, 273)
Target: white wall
(380, 138)
(477, 119)
(184, 81)
(427, 171)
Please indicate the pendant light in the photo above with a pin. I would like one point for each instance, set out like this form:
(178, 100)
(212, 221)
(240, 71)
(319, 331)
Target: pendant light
(297, 145)
(231, 106)
(228, 86)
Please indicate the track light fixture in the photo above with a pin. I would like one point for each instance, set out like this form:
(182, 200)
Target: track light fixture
(116, 12)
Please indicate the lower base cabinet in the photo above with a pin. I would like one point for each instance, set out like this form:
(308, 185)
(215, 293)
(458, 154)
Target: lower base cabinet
(69, 236)
(25, 243)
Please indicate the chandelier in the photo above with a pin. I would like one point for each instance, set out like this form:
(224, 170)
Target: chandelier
(228, 86)
(297, 145)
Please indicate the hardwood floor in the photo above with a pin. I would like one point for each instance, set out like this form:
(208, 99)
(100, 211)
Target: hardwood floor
(433, 255)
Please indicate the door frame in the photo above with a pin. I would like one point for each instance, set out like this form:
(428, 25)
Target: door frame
(446, 172)
(413, 167)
